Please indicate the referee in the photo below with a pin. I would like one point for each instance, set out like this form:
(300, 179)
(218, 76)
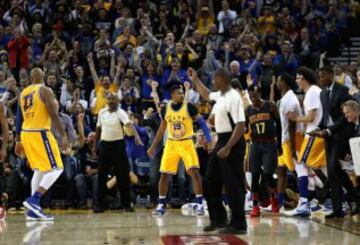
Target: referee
(225, 166)
(112, 151)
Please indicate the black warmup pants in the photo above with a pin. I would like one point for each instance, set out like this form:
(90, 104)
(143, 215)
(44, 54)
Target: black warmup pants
(112, 154)
(229, 173)
(337, 177)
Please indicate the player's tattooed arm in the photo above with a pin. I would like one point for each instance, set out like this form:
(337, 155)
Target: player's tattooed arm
(49, 99)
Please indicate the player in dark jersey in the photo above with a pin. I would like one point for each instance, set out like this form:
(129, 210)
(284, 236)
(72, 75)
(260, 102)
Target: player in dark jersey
(264, 123)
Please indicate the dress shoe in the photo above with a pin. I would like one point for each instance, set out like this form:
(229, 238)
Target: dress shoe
(99, 210)
(354, 208)
(232, 230)
(214, 226)
(335, 215)
(129, 209)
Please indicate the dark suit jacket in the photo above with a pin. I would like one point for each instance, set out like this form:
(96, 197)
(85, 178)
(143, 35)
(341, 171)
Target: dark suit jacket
(338, 96)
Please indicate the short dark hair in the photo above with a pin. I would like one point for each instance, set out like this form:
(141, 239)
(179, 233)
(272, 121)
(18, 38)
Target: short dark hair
(176, 86)
(287, 79)
(308, 74)
(235, 84)
(327, 69)
(223, 73)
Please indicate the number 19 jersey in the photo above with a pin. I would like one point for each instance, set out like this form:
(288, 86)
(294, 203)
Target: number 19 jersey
(179, 122)
(35, 114)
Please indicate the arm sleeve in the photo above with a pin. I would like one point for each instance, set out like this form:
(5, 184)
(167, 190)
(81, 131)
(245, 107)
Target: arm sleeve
(214, 96)
(236, 109)
(193, 111)
(204, 128)
(98, 124)
(163, 112)
(19, 120)
(314, 101)
(124, 118)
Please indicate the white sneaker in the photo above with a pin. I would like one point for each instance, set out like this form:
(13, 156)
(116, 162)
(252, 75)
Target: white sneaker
(314, 205)
(282, 210)
(199, 210)
(160, 210)
(302, 210)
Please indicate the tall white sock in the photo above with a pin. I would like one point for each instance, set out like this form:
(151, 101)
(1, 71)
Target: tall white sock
(49, 178)
(248, 177)
(301, 170)
(35, 181)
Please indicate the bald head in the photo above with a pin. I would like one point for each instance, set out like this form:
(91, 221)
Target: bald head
(37, 76)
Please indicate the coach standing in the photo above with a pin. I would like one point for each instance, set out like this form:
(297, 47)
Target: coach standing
(335, 130)
(225, 166)
(112, 151)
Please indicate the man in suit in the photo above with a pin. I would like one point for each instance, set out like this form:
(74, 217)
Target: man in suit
(334, 128)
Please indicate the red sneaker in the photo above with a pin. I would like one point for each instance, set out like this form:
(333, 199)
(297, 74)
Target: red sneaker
(2, 212)
(255, 212)
(274, 205)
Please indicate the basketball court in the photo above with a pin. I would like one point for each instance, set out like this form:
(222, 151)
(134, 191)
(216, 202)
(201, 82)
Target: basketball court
(115, 227)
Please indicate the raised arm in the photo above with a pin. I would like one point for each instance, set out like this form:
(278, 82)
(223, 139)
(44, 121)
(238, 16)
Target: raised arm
(80, 123)
(93, 72)
(200, 87)
(112, 65)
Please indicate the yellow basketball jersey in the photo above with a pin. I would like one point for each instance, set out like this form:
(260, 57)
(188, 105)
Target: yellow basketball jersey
(34, 111)
(179, 123)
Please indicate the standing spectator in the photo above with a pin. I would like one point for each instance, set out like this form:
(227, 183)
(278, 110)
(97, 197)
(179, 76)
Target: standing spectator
(128, 95)
(18, 53)
(205, 16)
(341, 77)
(68, 161)
(103, 86)
(226, 18)
(88, 165)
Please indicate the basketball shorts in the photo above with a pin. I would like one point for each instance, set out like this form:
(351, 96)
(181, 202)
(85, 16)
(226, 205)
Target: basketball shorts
(312, 152)
(287, 158)
(41, 150)
(174, 151)
(263, 157)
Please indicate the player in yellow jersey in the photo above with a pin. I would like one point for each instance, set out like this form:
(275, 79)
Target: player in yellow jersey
(35, 114)
(177, 119)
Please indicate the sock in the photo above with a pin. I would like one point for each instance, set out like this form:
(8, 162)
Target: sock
(248, 177)
(281, 199)
(225, 199)
(162, 200)
(36, 197)
(303, 186)
(255, 199)
(199, 199)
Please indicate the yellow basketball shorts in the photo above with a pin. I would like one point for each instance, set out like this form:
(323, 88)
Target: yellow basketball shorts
(174, 151)
(287, 158)
(41, 150)
(312, 152)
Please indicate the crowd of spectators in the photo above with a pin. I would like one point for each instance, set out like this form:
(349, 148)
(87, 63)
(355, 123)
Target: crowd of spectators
(133, 48)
